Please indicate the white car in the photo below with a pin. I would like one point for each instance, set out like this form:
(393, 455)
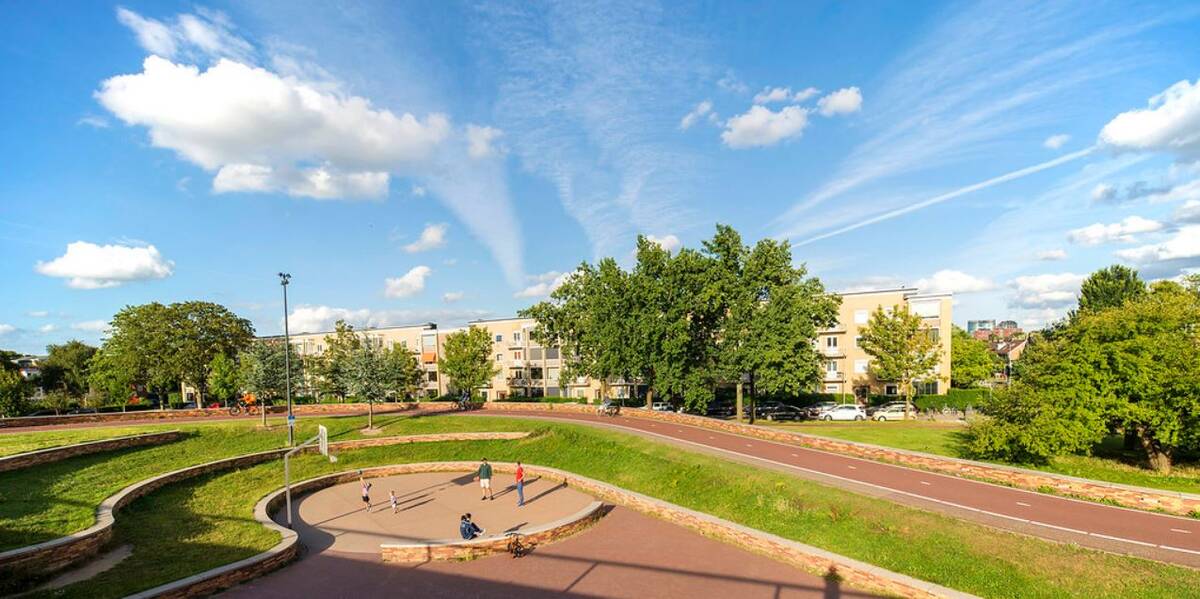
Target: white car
(843, 412)
(660, 406)
(889, 413)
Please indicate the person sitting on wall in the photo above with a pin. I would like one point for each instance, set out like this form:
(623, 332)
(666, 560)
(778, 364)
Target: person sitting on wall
(468, 529)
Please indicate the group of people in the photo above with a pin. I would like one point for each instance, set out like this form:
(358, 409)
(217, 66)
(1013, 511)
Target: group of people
(466, 527)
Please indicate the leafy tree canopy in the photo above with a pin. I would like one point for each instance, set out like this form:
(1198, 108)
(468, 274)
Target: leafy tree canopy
(901, 347)
(66, 367)
(467, 359)
(1110, 288)
(971, 361)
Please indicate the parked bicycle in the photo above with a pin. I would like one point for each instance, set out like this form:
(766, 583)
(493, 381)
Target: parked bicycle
(464, 403)
(608, 408)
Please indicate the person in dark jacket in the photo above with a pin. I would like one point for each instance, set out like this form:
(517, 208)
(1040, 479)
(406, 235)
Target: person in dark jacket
(468, 529)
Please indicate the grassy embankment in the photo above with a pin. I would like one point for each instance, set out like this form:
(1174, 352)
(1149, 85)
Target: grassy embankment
(199, 524)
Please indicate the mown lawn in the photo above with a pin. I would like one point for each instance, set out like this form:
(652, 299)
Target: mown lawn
(199, 524)
(11, 443)
(1109, 463)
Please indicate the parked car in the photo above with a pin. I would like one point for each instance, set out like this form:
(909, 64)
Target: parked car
(775, 410)
(844, 412)
(660, 406)
(889, 412)
(720, 409)
(891, 404)
(815, 410)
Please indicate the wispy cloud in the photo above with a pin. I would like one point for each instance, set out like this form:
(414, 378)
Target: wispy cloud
(951, 99)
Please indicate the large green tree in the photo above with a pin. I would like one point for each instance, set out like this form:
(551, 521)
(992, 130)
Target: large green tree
(224, 378)
(404, 373)
(202, 331)
(111, 378)
(66, 367)
(331, 370)
(467, 360)
(971, 361)
(902, 349)
(367, 375)
(1110, 288)
(14, 393)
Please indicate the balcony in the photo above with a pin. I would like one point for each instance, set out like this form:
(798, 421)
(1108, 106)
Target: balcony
(518, 382)
(833, 377)
(833, 352)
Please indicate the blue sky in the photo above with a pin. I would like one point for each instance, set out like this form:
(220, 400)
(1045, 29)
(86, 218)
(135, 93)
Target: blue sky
(446, 161)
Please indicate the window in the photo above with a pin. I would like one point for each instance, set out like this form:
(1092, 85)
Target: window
(831, 388)
(499, 338)
(831, 366)
(926, 387)
(516, 336)
(860, 317)
(535, 373)
(552, 373)
(516, 355)
(552, 392)
(499, 357)
(535, 353)
(858, 341)
(831, 342)
(432, 376)
(404, 344)
(860, 366)
(551, 353)
(429, 342)
(933, 334)
(890, 390)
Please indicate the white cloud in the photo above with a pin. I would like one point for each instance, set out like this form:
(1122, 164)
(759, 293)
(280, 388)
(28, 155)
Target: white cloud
(480, 141)
(432, 237)
(1046, 291)
(94, 326)
(773, 94)
(6, 328)
(409, 284)
(418, 191)
(207, 34)
(666, 242)
(1103, 192)
(39, 313)
(1055, 142)
(842, 101)
(1189, 212)
(1052, 255)
(1123, 231)
(96, 122)
(1185, 243)
(323, 183)
(1184, 191)
(1171, 123)
(48, 328)
(953, 281)
(90, 266)
(760, 126)
(731, 83)
(805, 94)
(696, 114)
(544, 284)
(315, 319)
(452, 296)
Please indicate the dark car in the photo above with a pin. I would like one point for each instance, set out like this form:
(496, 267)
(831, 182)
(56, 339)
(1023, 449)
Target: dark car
(813, 411)
(775, 410)
(720, 409)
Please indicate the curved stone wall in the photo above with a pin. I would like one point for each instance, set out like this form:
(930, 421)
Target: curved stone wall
(54, 454)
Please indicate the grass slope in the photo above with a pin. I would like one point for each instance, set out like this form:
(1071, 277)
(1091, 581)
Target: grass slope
(199, 524)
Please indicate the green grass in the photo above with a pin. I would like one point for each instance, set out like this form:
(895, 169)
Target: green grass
(12, 443)
(202, 523)
(1110, 463)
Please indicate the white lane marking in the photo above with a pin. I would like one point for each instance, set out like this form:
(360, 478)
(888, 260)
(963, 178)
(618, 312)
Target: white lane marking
(795, 455)
(749, 445)
(923, 497)
(1186, 532)
(852, 467)
(926, 483)
(1022, 503)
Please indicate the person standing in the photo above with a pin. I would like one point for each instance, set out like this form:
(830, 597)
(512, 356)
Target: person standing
(395, 501)
(366, 491)
(520, 485)
(485, 481)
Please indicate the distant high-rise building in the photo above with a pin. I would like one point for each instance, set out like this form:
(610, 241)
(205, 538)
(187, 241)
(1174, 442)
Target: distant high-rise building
(980, 325)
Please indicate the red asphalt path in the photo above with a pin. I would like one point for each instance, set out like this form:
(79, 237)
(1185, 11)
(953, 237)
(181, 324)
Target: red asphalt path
(1157, 536)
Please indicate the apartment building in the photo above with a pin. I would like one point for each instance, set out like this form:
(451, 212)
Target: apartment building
(529, 369)
(847, 365)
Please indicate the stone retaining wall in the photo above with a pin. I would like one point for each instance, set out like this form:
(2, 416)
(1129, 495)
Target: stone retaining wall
(54, 454)
(1182, 504)
(25, 564)
(482, 547)
(142, 415)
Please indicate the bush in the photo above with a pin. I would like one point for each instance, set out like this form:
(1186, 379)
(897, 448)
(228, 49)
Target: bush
(1028, 426)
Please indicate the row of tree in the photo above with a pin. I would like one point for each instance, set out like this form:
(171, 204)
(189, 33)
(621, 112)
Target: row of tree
(1127, 361)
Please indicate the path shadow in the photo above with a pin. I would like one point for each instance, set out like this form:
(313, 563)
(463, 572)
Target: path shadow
(557, 487)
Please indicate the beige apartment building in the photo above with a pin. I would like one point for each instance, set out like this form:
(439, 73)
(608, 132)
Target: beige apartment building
(848, 367)
(529, 369)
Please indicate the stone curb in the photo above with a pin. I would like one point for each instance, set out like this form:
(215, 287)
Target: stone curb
(18, 461)
(451, 549)
(41, 559)
(806, 557)
(1171, 502)
(143, 415)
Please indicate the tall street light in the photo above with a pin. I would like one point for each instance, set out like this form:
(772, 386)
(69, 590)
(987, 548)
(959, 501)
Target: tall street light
(287, 360)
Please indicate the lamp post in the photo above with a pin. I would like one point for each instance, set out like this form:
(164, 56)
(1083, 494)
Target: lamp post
(287, 361)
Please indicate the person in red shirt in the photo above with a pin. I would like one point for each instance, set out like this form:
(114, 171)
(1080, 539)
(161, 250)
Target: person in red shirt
(520, 485)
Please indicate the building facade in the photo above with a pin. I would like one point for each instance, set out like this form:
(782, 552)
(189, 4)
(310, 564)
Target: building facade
(529, 369)
(848, 367)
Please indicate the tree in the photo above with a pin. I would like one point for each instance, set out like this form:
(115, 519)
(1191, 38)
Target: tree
(58, 400)
(902, 349)
(1110, 288)
(224, 378)
(771, 314)
(66, 367)
(367, 376)
(333, 365)
(14, 393)
(404, 374)
(8, 360)
(113, 380)
(263, 370)
(1133, 367)
(971, 361)
(200, 332)
(467, 360)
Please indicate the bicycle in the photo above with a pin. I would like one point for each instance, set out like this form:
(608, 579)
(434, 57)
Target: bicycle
(516, 547)
(238, 406)
(611, 410)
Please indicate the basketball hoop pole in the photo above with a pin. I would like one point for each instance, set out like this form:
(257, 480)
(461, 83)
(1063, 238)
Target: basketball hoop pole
(322, 439)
